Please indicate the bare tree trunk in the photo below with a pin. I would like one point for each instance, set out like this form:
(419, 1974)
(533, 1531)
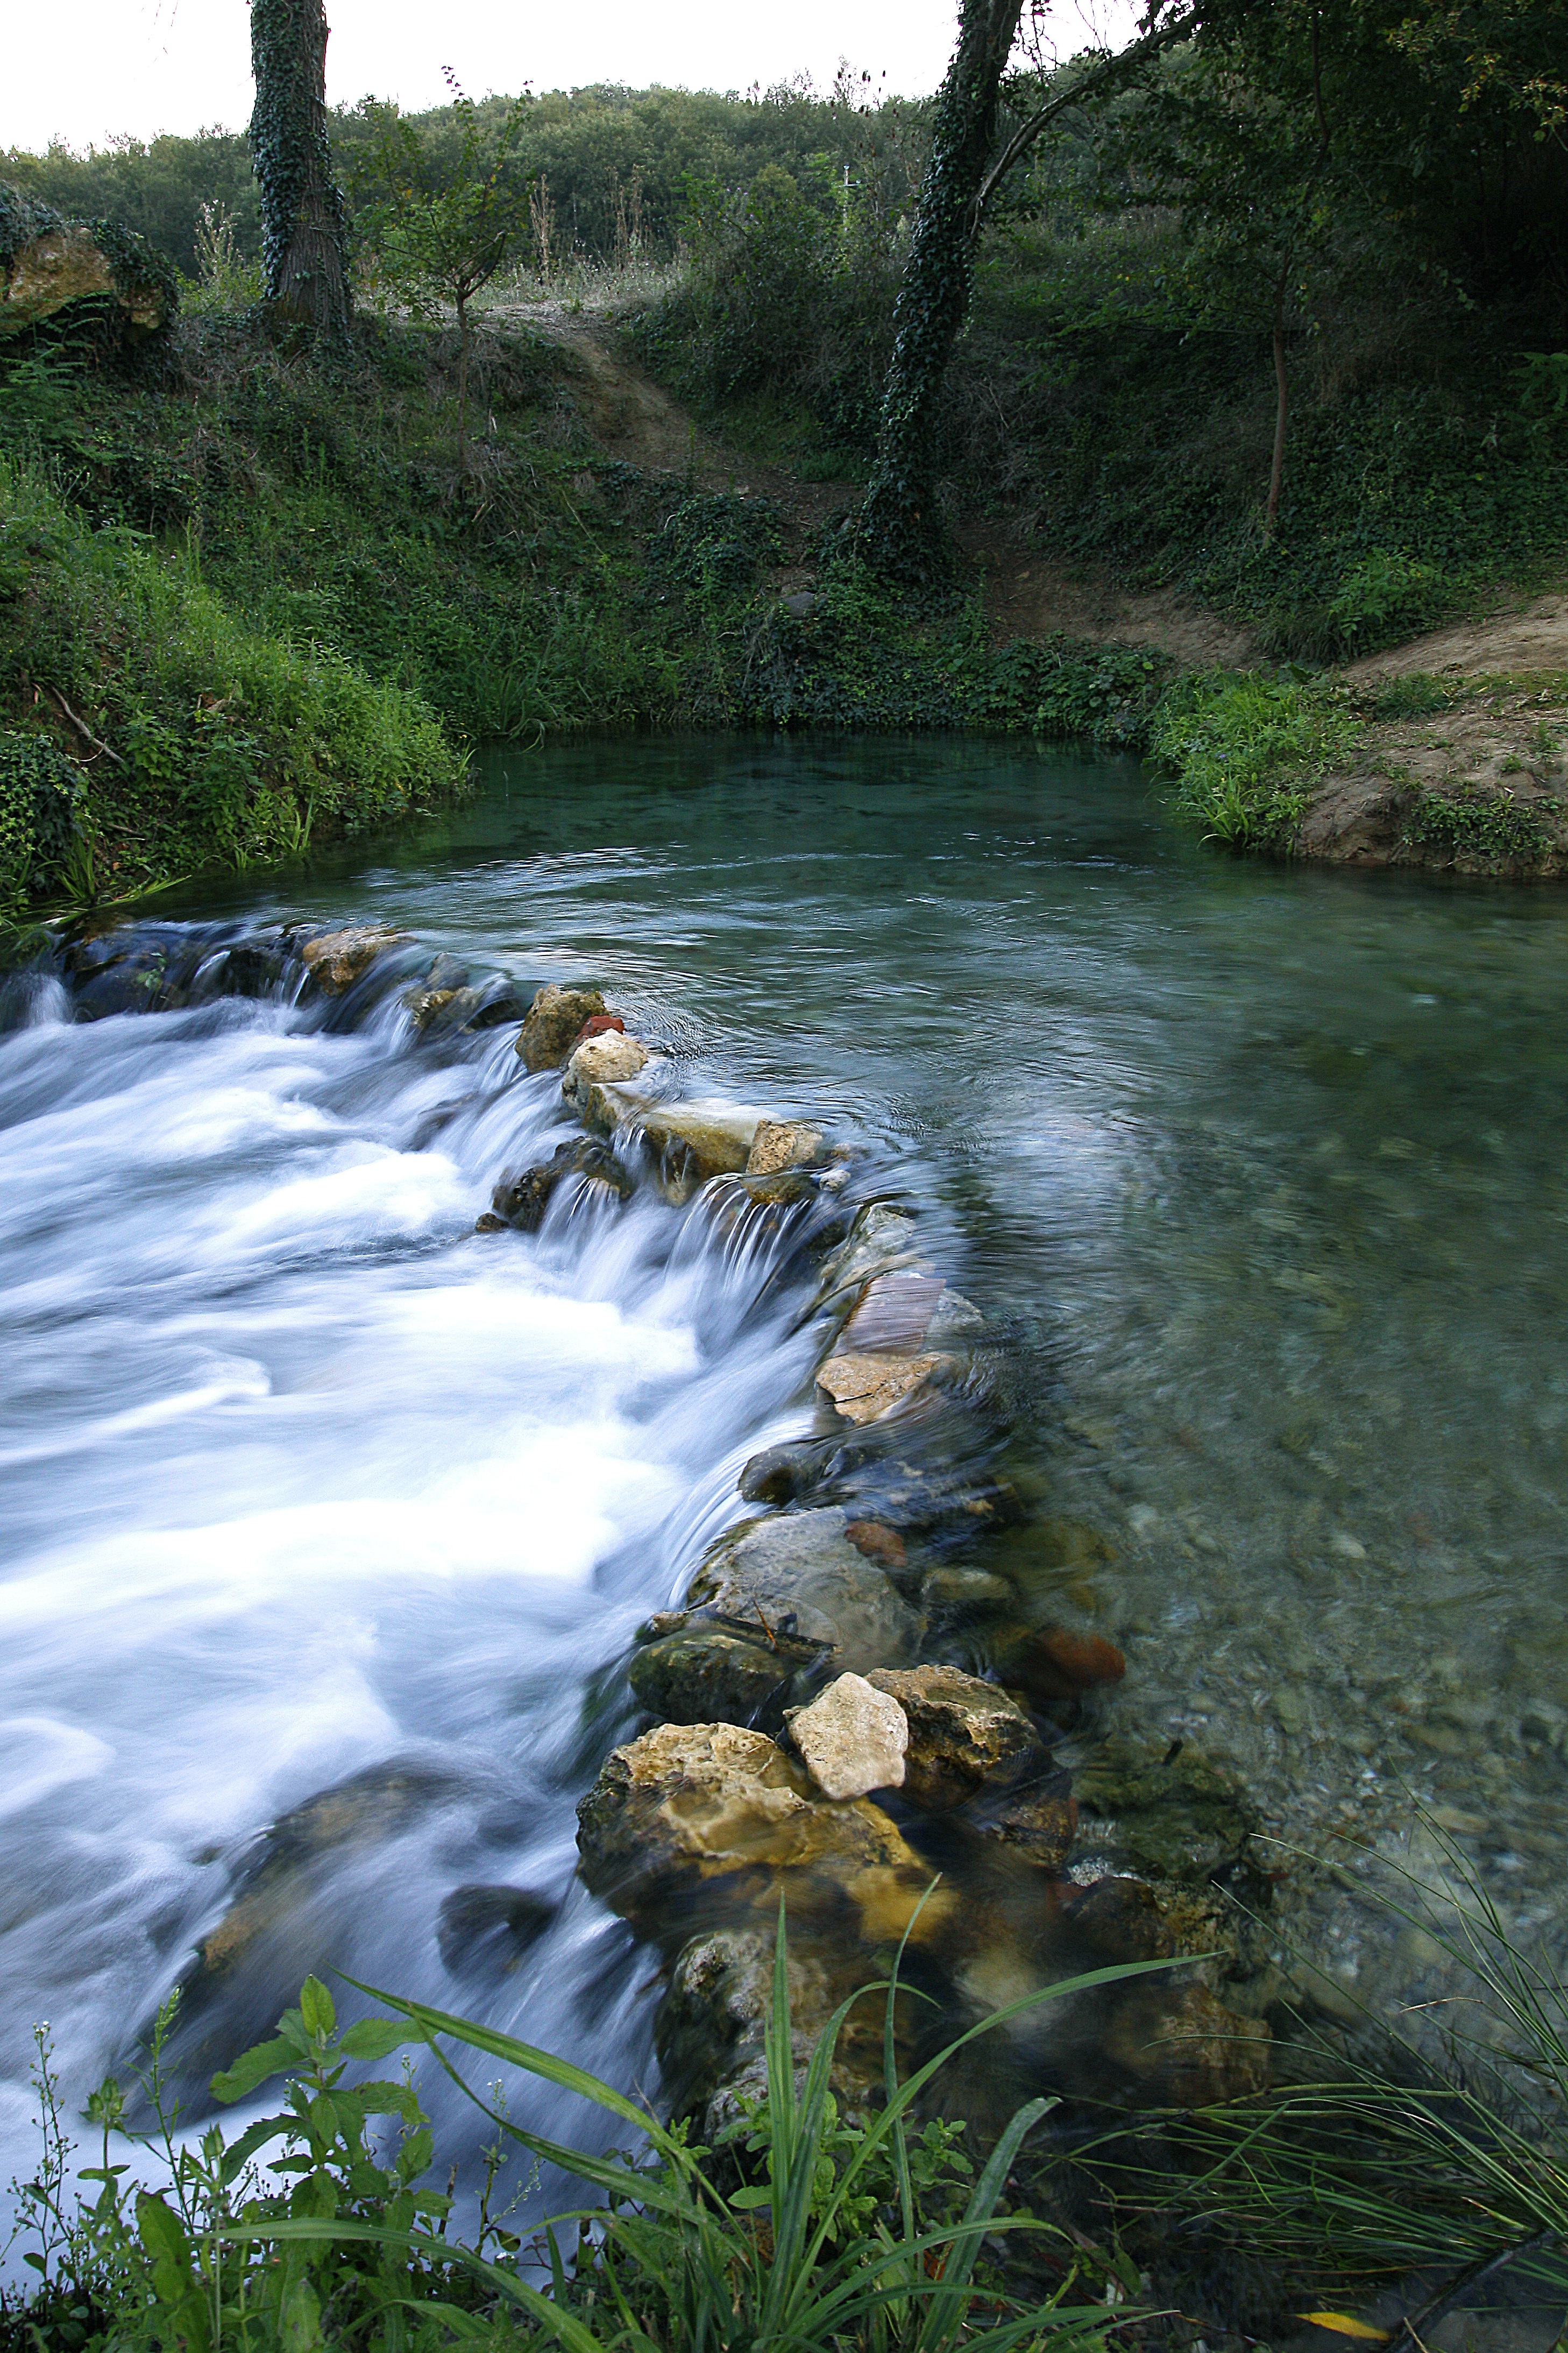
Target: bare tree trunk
(1277, 472)
(898, 529)
(301, 206)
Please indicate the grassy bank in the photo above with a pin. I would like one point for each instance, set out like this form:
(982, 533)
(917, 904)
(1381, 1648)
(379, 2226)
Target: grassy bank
(154, 731)
(249, 600)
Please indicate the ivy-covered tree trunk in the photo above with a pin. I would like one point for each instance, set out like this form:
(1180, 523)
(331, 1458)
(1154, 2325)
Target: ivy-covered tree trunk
(302, 216)
(897, 531)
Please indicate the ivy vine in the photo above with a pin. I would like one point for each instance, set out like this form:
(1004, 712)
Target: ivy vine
(898, 530)
(289, 151)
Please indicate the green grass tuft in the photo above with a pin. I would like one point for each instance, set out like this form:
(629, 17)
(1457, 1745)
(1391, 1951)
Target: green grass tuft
(1245, 751)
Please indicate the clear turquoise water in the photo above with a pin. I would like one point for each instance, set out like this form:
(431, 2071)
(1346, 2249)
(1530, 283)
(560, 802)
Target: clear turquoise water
(1268, 1167)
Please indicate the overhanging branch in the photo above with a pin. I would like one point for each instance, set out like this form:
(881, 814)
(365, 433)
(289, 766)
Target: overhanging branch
(1100, 77)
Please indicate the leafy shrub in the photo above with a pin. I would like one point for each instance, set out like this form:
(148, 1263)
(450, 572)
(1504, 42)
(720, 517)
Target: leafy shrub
(715, 545)
(1387, 594)
(1486, 830)
(41, 794)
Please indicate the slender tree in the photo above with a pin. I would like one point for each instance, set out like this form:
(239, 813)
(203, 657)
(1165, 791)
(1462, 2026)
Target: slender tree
(897, 528)
(434, 244)
(302, 217)
(897, 531)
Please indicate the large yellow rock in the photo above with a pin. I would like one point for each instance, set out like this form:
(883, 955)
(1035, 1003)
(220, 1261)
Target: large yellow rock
(694, 1802)
(335, 960)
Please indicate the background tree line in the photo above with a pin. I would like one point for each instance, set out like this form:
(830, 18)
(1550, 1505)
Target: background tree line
(590, 145)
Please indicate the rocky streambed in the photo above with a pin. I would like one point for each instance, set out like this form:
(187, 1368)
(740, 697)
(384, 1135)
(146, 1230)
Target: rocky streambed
(848, 1704)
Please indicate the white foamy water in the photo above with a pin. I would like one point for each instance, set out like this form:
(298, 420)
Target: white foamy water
(304, 1478)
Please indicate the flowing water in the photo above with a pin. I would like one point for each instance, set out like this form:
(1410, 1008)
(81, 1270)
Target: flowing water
(1265, 1172)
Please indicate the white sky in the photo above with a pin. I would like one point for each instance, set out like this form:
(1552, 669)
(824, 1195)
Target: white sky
(86, 69)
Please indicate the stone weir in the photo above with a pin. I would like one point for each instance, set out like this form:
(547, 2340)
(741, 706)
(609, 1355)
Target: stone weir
(853, 1707)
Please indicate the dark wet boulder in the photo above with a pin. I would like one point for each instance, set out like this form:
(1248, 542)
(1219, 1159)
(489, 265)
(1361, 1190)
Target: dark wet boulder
(499, 1004)
(520, 1200)
(444, 999)
(133, 983)
(964, 1733)
(799, 1575)
(553, 1023)
(784, 1474)
(882, 1237)
(958, 1596)
(485, 1931)
(1182, 2047)
(284, 1917)
(706, 1673)
(710, 2030)
(1038, 1821)
(257, 965)
(1161, 1811)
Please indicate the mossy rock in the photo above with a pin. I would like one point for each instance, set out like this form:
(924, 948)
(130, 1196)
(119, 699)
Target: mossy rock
(707, 1675)
(54, 269)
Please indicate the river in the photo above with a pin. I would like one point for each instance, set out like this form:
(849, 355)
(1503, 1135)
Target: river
(1263, 1171)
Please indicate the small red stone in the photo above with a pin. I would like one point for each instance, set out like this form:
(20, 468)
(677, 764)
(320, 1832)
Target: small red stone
(1057, 1664)
(595, 1026)
(875, 1541)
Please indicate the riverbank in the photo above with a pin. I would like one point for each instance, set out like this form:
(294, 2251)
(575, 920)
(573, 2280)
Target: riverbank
(251, 601)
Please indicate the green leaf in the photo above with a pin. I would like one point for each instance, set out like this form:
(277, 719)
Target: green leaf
(373, 2038)
(161, 2231)
(316, 2007)
(383, 2100)
(253, 2137)
(254, 2067)
(299, 2321)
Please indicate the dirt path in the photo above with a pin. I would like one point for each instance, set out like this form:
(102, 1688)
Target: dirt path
(1027, 596)
(1533, 639)
(634, 420)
